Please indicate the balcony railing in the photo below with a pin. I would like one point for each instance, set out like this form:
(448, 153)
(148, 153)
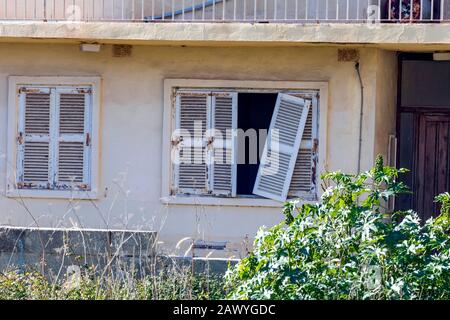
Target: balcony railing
(284, 11)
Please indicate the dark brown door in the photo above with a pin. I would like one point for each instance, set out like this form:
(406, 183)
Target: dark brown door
(432, 165)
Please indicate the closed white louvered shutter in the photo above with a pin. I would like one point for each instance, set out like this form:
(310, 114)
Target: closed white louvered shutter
(33, 139)
(303, 182)
(223, 165)
(54, 138)
(189, 142)
(73, 138)
(281, 148)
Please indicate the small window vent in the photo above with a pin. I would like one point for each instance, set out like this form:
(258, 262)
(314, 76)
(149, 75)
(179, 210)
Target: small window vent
(348, 55)
(122, 50)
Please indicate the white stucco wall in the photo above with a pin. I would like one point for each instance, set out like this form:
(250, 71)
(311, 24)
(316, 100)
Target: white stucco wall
(132, 123)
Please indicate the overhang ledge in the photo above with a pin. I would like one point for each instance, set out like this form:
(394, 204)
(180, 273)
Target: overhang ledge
(384, 35)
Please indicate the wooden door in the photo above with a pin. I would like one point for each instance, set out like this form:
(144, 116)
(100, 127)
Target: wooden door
(432, 165)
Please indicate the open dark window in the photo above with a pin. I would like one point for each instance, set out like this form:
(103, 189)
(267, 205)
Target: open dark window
(255, 112)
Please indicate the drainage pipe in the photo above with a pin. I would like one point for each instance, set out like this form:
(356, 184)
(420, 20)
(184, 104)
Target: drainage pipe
(361, 114)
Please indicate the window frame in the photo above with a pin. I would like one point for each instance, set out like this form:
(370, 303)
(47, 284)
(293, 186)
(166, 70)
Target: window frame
(170, 87)
(14, 83)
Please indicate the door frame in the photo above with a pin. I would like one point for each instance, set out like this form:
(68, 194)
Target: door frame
(416, 112)
(402, 56)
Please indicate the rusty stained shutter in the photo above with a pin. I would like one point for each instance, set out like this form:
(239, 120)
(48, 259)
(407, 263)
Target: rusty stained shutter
(189, 142)
(73, 138)
(281, 148)
(222, 149)
(53, 140)
(33, 140)
(304, 178)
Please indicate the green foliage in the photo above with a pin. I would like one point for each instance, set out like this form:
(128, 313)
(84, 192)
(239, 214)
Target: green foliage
(28, 285)
(170, 283)
(349, 247)
(444, 200)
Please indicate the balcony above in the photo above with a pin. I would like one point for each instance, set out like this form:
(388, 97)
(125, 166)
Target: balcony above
(263, 11)
(382, 23)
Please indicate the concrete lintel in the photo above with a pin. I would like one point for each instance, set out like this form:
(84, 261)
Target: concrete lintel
(394, 36)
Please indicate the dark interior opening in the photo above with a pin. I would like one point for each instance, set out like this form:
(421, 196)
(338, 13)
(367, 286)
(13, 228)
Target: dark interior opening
(425, 83)
(254, 112)
(423, 131)
(406, 158)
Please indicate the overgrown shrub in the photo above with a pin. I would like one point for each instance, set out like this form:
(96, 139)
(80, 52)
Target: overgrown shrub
(347, 247)
(24, 285)
(167, 284)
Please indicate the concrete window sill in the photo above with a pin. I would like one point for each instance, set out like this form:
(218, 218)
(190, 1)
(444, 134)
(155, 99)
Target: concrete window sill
(217, 201)
(53, 194)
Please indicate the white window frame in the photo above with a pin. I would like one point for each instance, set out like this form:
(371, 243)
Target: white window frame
(14, 83)
(171, 85)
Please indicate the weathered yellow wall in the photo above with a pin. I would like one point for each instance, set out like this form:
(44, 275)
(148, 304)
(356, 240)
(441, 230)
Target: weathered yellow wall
(386, 103)
(131, 130)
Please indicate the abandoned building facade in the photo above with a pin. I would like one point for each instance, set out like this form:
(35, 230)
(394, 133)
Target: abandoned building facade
(199, 119)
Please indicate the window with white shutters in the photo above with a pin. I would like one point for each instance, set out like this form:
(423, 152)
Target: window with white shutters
(54, 138)
(205, 153)
(203, 143)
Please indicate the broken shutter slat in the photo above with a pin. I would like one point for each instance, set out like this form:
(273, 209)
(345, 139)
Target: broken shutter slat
(73, 128)
(34, 137)
(281, 147)
(189, 143)
(222, 150)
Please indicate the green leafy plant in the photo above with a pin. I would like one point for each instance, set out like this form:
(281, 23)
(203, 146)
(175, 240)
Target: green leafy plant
(16, 285)
(349, 246)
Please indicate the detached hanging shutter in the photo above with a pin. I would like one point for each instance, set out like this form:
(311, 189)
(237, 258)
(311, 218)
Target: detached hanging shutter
(189, 142)
(73, 138)
(281, 148)
(222, 151)
(33, 155)
(303, 182)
